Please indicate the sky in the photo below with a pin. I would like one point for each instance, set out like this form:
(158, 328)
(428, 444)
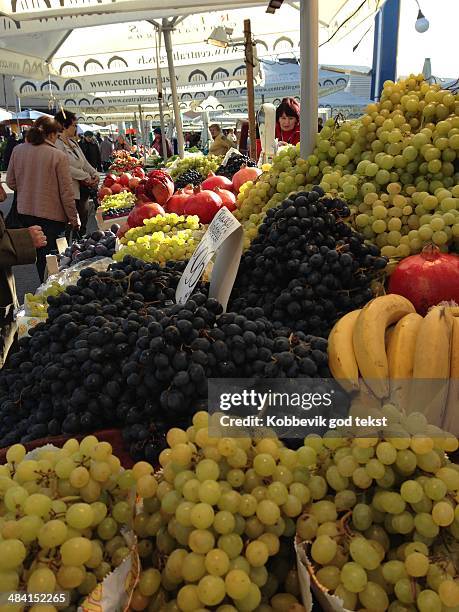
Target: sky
(440, 42)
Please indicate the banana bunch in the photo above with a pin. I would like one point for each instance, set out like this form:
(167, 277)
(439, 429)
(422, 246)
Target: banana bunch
(401, 357)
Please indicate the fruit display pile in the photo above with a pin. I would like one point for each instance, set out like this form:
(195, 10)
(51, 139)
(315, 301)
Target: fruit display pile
(307, 267)
(234, 164)
(126, 182)
(97, 244)
(401, 356)
(190, 177)
(396, 166)
(163, 238)
(61, 518)
(383, 517)
(115, 352)
(123, 162)
(197, 162)
(117, 205)
(221, 524)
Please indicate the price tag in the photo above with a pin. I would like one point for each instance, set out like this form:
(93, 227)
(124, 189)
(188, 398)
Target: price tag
(52, 265)
(62, 244)
(223, 237)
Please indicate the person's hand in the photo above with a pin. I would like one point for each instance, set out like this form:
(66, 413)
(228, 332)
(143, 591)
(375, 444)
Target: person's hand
(37, 235)
(76, 225)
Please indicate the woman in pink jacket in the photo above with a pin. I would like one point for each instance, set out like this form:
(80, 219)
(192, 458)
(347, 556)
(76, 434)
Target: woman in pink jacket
(40, 175)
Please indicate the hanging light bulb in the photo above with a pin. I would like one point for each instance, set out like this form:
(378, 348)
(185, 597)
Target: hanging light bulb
(422, 24)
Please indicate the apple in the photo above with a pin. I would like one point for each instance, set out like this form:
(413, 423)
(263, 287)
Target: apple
(134, 183)
(125, 178)
(116, 188)
(104, 191)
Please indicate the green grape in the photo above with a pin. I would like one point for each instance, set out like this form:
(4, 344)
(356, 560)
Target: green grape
(323, 549)
(353, 577)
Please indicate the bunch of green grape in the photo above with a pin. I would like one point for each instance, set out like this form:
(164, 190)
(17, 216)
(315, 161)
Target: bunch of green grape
(217, 528)
(61, 517)
(162, 238)
(408, 143)
(124, 199)
(204, 164)
(384, 517)
(37, 305)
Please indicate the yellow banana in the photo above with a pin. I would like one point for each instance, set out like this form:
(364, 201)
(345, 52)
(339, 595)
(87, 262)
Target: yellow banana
(432, 362)
(369, 339)
(400, 357)
(388, 336)
(341, 359)
(451, 420)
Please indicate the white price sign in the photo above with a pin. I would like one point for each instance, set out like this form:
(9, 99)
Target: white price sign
(224, 237)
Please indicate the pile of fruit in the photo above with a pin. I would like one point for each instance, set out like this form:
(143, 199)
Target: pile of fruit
(118, 205)
(97, 244)
(123, 162)
(234, 164)
(395, 166)
(116, 351)
(221, 524)
(307, 267)
(61, 517)
(382, 524)
(125, 182)
(162, 238)
(36, 305)
(196, 164)
(401, 356)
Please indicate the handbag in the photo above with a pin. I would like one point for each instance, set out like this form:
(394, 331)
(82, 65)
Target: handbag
(13, 218)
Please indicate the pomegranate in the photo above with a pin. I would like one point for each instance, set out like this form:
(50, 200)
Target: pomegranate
(212, 181)
(124, 179)
(228, 198)
(145, 210)
(203, 203)
(176, 203)
(109, 180)
(159, 186)
(243, 176)
(138, 172)
(123, 229)
(104, 191)
(427, 279)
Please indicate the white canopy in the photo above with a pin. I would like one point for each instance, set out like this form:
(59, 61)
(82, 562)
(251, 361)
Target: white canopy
(33, 32)
(5, 115)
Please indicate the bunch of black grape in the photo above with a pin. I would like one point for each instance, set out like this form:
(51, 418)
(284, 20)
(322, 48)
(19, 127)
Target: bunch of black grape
(190, 177)
(307, 267)
(234, 164)
(116, 351)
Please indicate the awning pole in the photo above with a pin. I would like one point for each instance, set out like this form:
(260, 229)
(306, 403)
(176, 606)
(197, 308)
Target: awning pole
(173, 84)
(309, 70)
(159, 85)
(249, 66)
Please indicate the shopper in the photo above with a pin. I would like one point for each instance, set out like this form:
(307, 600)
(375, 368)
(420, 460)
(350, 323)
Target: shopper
(221, 144)
(84, 176)
(10, 144)
(122, 144)
(40, 175)
(288, 122)
(158, 143)
(17, 247)
(98, 138)
(90, 148)
(106, 152)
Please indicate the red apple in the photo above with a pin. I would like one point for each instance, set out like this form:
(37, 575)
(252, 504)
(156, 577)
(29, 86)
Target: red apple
(125, 178)
(134, 183)
(116, 188)
(104, 191)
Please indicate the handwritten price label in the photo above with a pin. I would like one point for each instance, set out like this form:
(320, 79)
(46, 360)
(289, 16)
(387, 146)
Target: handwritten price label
(224, 237)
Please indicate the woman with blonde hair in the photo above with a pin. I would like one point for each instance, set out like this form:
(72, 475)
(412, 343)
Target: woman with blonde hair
(40, 175)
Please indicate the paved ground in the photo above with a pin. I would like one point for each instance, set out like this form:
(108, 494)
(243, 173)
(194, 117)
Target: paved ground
(26, 276)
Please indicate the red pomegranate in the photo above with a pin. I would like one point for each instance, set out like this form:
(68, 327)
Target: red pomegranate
(203, 203)
(427, 279)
